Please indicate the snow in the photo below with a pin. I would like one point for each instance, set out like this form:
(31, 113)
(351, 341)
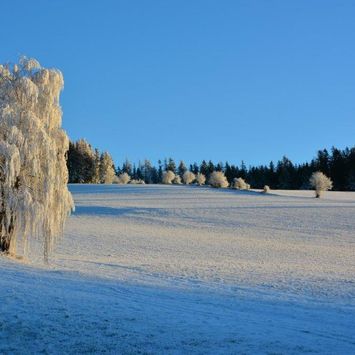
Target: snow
(187, 269)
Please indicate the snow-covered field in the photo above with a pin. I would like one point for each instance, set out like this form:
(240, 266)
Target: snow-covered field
(181, 270)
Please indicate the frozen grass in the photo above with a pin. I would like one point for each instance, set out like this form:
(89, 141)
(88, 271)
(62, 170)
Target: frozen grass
(186, 269)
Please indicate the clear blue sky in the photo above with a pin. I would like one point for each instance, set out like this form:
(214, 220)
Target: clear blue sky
(196, 79)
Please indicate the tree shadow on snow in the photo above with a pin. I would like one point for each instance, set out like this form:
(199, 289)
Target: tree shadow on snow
(102, 211)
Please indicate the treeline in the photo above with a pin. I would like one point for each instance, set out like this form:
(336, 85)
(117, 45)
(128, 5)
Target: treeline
(88, 165)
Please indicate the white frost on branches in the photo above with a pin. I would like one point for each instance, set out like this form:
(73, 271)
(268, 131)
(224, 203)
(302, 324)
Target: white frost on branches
(188, 177)
(266, 189)
(137, 182)
(124, 179)
(106, 169)
(240, 184)
(200, 179)
(320, 182)
(218, 179)
(168, 177)
(177, 180)
(34, 199)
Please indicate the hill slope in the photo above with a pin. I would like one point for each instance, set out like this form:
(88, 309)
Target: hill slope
(173, 269)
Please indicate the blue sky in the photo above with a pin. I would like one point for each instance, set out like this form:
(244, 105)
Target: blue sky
(197, 79)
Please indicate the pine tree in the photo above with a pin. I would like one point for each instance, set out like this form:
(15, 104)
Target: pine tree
(160, 171)
(194, 168)
(181, 169)
(81, 162)
(210, 169)
(171, 165)
(96, 175)
(147, 171)
(204, 168)
(107, 169)
(127, 167)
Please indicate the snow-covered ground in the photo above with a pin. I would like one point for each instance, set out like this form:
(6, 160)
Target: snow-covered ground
(181, 270)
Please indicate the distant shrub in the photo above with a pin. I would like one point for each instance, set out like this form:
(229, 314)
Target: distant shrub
(266, 189)
(218, 179)
(123, 179)
(188, 177)
(137, 182)
(240, 184)
(177, 180)
(320, 182)
(115, 180)
(200, 179)
(168, 177)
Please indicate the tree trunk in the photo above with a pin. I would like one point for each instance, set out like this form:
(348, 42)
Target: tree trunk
(5, 233)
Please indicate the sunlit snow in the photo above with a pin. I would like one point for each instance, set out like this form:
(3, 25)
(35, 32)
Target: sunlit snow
(187, 269)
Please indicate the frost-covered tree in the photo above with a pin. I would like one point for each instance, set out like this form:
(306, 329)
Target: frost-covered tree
(168, 177)
(115, 180)
(200, 179)
(34, 198)
(137, 182)
(240, 184)
(188, 177)
(177, 180)
(266, 189)
(107, 169)
(320, 182)
(218, 179)
(123, 179)
(96, 170)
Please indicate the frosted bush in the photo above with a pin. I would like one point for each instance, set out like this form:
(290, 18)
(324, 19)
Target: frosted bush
(188, 177)
(177, 180)
(124, 179)
(218, 179)
(240, 184)
(266, 189)
(35, 200)
(168, 177)
(200, 179)
(137, 182)
(320, 182)
(115, 180)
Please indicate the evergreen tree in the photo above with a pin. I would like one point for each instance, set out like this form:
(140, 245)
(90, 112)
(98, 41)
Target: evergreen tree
(127, 167)
(285, 171)
(96, 175)
(147, 172)
(182, 169)
(204, 168)
(107, 169)
(337, 169)
(171, 165)
(81, 162)
(323, 161)
(219, 167)
(160, 171)
(194, 168)
(210, 169)
(243, 170)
